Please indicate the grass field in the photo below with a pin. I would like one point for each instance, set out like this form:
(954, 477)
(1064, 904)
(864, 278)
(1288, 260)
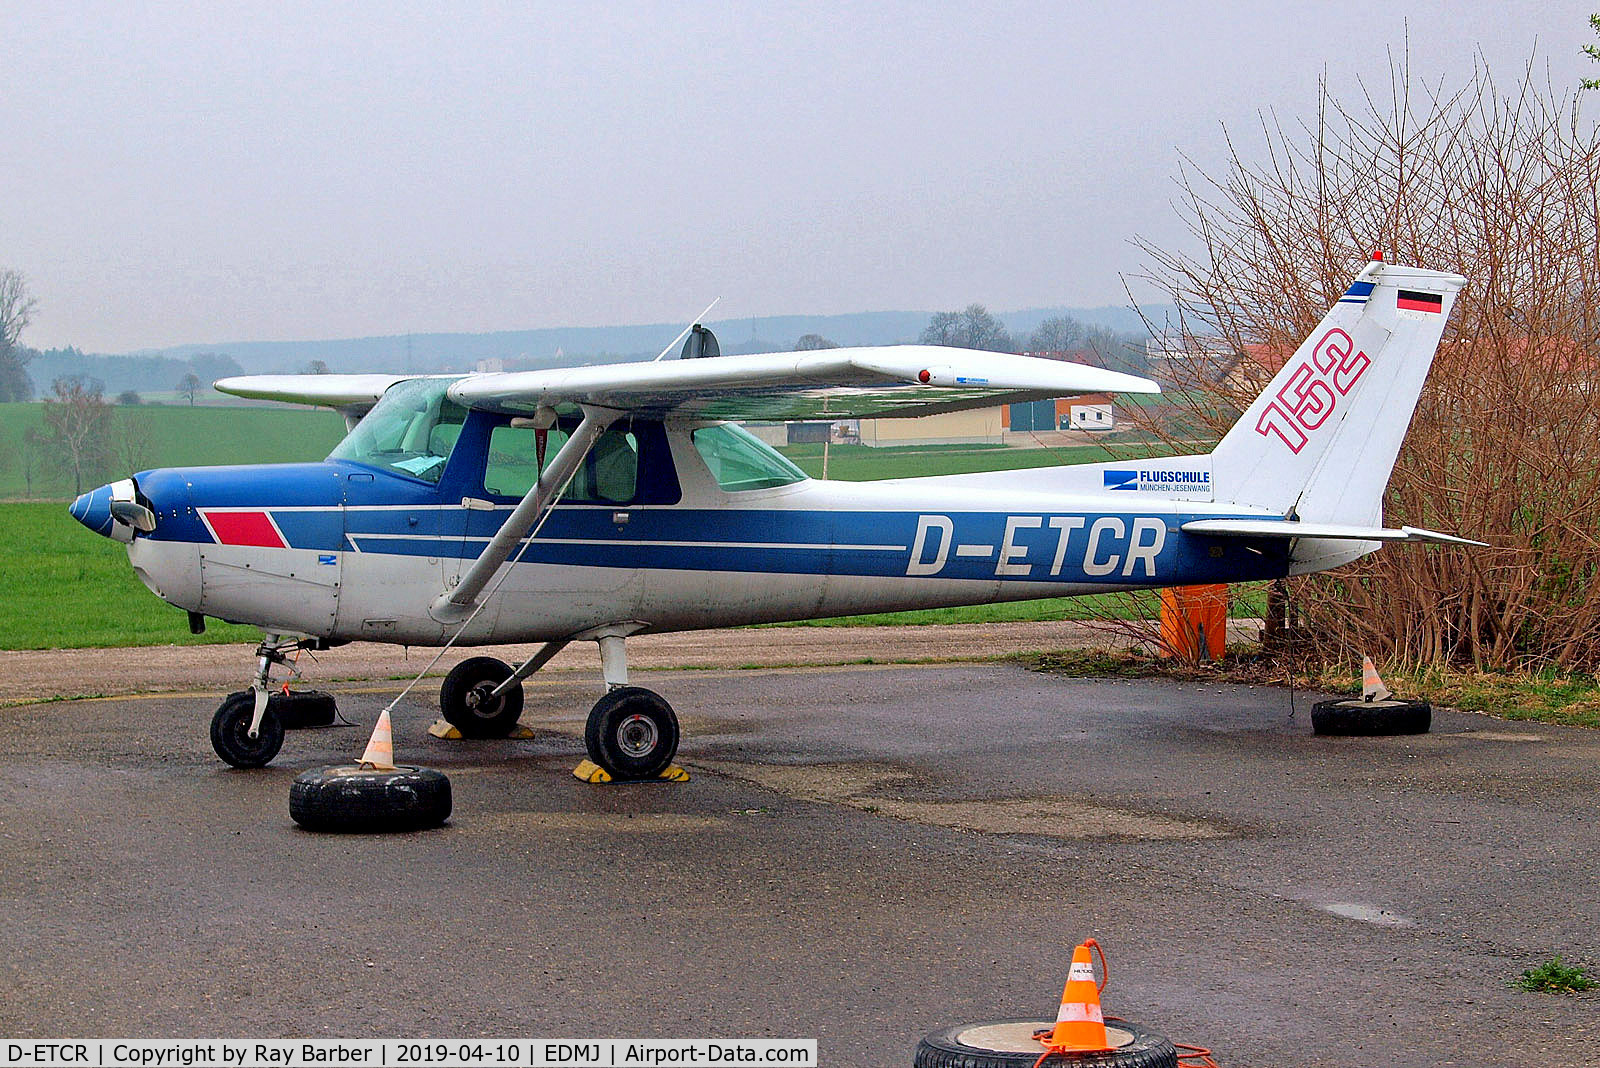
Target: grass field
(68, 588)
(166, 435)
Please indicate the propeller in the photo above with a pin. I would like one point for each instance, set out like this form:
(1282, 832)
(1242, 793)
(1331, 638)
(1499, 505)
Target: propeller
(128, 508)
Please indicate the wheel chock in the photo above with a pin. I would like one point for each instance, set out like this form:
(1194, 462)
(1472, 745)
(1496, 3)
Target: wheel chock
(590, 772)
(442, 729)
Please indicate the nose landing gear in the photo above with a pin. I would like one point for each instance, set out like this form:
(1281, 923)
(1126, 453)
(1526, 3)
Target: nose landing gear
(247, 730)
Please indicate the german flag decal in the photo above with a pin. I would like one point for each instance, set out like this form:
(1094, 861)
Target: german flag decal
(1410, 300)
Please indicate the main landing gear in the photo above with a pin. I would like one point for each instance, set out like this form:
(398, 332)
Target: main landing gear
(632, 732)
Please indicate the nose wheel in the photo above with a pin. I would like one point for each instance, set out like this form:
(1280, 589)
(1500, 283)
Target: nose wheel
(231, 736)
(632, 733)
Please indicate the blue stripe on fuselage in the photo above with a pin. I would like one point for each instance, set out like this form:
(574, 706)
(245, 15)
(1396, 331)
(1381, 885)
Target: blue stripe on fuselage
(340, 507)
(1107, 548)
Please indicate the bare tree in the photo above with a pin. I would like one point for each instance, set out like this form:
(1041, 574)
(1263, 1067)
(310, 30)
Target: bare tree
(77, 423)
(971, 328)
(16, 311)
(189, 386)
(1071, 337)
(35, 447)
(1500, 184)
(134, 447)
(812, 342)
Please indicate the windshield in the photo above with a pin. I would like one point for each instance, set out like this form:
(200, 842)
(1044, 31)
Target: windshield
(739, 460)
(411, 430)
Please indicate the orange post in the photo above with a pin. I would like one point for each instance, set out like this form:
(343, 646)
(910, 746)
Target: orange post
(1080, 1025)
(1194, 621)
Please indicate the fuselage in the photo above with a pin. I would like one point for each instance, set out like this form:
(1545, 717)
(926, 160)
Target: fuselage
(650, 534)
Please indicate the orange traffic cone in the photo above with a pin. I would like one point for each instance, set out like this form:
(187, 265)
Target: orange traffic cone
(1080, 1026)
(1372, 687)
(380, 749)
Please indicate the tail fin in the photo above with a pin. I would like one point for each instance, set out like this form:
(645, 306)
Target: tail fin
(1321, 440)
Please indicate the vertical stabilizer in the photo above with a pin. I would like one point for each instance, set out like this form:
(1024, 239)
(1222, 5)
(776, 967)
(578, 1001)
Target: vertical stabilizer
(1320, 442)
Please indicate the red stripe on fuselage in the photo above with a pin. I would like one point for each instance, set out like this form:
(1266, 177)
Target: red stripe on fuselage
(245, 528)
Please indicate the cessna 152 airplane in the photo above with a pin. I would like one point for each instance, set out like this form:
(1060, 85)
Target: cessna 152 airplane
(596, 503)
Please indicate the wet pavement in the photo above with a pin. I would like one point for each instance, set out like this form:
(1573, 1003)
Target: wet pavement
(864, 854)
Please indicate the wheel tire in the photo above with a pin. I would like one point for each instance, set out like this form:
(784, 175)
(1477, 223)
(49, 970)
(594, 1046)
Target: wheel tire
(302, 709)
(357, 800)
(1003, 1044)
(1353, 717)
(230, 732)
(462, 698)
(632, 733)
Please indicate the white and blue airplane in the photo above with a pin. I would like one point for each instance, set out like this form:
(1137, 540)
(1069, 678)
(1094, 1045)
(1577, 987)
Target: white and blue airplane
(596, 503)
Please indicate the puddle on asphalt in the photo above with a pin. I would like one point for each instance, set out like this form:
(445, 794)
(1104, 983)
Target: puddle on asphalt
(1497, 736)
(1354, 910)
(871, 788)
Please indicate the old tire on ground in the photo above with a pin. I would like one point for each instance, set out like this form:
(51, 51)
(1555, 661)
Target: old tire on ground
(1352, 717)
(465, 703)
(356, 800)
(632, 733)
(1010, 1044)
(300, 709)
(230, 732)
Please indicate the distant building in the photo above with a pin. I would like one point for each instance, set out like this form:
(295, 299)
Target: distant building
(976, 426)
(1174, 357)
(493, 365)
(1092, 411)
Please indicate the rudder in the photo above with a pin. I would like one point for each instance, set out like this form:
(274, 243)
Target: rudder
(1321, 440)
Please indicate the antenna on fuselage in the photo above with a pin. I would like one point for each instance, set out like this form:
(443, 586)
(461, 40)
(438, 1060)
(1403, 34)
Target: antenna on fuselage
(696, 321)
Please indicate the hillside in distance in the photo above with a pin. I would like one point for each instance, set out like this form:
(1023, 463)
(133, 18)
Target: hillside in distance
(557, 346)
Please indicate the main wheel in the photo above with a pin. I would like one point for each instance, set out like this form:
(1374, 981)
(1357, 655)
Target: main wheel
(1010, 1044)
(230, 732)
(357, 800)
(465, 702)
(1352, 717)
(632, 733)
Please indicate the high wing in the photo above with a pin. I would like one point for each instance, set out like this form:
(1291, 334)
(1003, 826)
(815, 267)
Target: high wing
(325, 391)
(890, 381)
(881, 382)
(352, 395)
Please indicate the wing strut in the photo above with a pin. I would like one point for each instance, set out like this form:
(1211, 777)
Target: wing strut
(455, 605)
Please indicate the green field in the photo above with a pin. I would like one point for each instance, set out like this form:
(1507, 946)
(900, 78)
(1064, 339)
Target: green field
(69, 588)
(165, 435)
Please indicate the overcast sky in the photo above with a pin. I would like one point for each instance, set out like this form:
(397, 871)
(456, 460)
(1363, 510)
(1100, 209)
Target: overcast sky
(219, 171)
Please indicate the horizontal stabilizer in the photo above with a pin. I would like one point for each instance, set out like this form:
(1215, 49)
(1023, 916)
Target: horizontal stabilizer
(1288, 528)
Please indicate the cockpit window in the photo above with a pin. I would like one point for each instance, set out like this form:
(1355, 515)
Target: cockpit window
(609, 474)
(739, 460)
(411, 430)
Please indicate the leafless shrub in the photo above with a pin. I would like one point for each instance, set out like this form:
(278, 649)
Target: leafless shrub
(1503, 186)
